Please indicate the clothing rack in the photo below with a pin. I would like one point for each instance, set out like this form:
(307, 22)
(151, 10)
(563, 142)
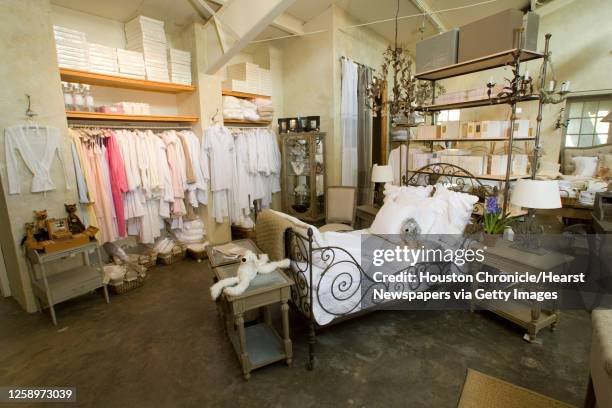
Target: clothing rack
(103, 126)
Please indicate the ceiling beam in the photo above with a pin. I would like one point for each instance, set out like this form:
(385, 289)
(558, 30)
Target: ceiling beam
(289, 24)
(424, 8)
(285, 22)
(551, 6)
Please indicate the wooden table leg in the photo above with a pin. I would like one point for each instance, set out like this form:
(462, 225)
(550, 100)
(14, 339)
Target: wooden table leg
(244, 357)
(530, 336)
(286, 337)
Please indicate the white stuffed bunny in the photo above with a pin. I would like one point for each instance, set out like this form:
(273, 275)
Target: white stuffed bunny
(250, 265)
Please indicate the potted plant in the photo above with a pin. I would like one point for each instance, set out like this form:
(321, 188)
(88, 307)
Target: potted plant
(493, 221)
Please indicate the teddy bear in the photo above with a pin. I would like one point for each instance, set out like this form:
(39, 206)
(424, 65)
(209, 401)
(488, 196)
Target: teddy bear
(250, 266)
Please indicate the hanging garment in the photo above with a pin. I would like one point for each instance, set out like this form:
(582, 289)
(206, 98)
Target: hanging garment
(176, 163)
(118, 181)
(219, 144)
(38, 146)
(349, 117)
(200, 169)
(78, 174)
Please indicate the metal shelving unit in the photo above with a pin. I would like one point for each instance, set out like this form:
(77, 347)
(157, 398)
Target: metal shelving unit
(512, 58)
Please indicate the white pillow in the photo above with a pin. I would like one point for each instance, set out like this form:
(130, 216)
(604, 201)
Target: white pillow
(430, 213)
(585, 166)
(406, 194)
(460, 208)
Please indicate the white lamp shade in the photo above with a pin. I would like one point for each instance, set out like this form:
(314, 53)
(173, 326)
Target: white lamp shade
(382, 174)
(538, 194)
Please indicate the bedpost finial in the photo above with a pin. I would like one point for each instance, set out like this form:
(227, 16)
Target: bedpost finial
(309, 232)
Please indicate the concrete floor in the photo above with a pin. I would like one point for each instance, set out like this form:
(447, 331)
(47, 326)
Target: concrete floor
(162, 345)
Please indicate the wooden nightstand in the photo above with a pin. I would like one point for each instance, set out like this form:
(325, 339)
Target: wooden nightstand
(507, 259)
(365, 215)
(258, 344)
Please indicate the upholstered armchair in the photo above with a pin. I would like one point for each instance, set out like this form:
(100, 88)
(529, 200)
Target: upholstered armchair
(340, 207)
(600, 383)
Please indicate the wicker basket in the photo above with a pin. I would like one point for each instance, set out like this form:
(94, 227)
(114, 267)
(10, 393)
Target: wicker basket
(174, 256)
(126, 285)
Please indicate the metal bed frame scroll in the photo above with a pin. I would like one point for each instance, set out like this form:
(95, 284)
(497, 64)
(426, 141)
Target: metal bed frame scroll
(300, 249)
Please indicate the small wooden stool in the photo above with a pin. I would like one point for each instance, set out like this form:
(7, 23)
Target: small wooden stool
(259, 344)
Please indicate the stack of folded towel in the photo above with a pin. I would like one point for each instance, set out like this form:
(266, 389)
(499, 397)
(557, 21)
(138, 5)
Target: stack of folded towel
(264, 108)
(249, 110)
(103, 59)
(179, 66)
(192, 232)
(147, 35)
(72, 50)
(131, 64)
(232, 108)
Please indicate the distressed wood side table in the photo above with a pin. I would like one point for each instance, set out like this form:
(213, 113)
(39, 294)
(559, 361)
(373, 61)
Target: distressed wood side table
(528, 315)
(258, 344)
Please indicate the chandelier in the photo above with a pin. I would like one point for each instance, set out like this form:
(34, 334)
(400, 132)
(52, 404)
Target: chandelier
(407, 93)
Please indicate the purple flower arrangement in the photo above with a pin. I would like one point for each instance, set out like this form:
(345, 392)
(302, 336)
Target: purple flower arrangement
(493, 221)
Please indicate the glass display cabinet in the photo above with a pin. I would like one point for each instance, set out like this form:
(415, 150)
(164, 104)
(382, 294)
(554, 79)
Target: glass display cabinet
(304, 175)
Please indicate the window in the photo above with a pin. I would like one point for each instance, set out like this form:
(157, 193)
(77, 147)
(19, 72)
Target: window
(448, 115)
(584, 126)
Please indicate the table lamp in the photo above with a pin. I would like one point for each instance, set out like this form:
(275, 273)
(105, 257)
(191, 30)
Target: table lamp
(381, 174)
(534, 194)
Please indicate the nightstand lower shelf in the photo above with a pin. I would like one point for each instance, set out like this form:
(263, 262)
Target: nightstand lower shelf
(523, 315)
(264, 345)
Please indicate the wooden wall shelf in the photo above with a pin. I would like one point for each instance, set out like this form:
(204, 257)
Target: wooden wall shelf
(92, 78)
(226, 92)
(129, 118)
(246, 122)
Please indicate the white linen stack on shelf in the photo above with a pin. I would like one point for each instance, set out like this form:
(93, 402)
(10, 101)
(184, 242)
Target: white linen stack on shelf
(147, 35)
(131, 64)
(232, 109)
(264, 109)
(179, 66)
(249, 110)
(71, 47)
(103, 59)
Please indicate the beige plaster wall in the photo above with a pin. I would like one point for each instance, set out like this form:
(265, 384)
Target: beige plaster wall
(29, 66)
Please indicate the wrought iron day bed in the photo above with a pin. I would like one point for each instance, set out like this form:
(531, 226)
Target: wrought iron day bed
(345, 279)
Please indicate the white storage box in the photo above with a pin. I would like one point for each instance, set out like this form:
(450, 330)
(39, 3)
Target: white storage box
(473, 130)
(452, 129)
(499, 162)
(493, 129)
(427, 132)
(477, 165)
(521, 128)
(421, 160)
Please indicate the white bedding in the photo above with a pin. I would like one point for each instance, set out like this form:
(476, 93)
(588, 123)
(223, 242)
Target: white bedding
(342, 280)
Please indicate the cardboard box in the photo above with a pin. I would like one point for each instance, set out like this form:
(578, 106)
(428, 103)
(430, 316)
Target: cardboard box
(451, 129)
(437, 51)
(427, 132)
(492, 129)
(521, 128)
(490, 35)
(499, 162)
(473, 130)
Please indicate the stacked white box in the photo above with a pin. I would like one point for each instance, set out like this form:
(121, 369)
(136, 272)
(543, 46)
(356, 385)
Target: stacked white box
(131, 64)
(499, 163)
(265, 82)
(238, 86)
(246, 72)
(103, 59)
(71, 48)
(179, 66)
(147, 35)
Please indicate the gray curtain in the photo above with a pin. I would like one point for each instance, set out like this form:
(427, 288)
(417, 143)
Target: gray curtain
(365, 190)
